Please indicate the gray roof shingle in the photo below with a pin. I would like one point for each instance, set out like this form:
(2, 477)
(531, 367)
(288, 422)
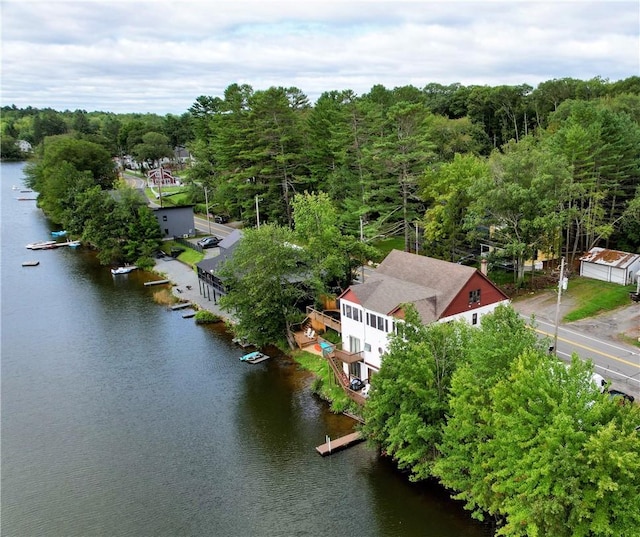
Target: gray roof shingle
(430, 284)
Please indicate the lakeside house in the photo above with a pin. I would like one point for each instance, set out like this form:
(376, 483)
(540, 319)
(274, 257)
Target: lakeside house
(209, 280)
(176, 221)
(439, 290)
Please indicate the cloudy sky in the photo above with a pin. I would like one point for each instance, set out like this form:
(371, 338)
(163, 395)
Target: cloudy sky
(155, 56)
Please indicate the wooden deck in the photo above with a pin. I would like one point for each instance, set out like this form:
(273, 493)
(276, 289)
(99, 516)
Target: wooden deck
(323, 319)
(331, 446)
(302, 340)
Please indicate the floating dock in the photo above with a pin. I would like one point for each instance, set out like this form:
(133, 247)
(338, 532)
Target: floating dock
(156, 282)
(30, 263)
(331, 446)
(47, 245)
(181, 306)
(189, 315)
(258, 360)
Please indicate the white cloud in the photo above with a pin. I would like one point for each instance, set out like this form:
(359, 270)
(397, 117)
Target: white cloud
(128, 56)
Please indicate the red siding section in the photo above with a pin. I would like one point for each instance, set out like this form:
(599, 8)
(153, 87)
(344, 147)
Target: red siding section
(350, 296)
(489, 294)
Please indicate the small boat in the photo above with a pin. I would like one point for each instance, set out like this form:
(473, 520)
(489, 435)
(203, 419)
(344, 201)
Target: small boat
(30, 263)
(123, 270)
(60, 233)
(40, 245)
(254, 357)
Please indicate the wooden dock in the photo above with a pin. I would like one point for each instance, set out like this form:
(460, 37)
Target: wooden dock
(182, 306)
(331, 446)
(189, 315)
(156, 282)
(30, 263)
(258, 360)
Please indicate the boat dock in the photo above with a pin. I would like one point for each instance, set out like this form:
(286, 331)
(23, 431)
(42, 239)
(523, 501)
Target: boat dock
(156, 282)
(30, 263)
(331, 446)
(182, 305)
(258, 360)
(47, 245)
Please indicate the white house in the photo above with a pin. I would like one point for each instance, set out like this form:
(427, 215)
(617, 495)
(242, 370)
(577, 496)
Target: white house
(439, 290)
(24, 146)
(610, 266)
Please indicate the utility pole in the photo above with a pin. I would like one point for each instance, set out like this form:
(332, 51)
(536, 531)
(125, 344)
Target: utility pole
(362, 240)
(206, 202)
(562, 284)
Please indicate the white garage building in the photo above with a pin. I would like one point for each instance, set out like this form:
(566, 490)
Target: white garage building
(610, 266)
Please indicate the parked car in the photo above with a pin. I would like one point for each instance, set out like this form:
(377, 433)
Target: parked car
(625, 398)
(221, 219)
(209, 242)
(356, 384)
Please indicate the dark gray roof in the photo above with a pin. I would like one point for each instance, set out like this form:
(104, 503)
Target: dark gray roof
(430, 284)
(231, 239)
(227, 247)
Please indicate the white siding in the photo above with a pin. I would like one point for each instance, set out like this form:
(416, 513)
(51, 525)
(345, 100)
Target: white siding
(373, 342)
(468, 315)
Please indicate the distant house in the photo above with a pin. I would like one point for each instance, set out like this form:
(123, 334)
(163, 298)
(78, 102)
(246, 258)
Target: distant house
(440, 291)
(210, 282)
(176, 221)
(610, 266)
(24, 146)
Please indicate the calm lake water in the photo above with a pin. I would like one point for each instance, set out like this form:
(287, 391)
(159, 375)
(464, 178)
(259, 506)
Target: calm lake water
(121, 418)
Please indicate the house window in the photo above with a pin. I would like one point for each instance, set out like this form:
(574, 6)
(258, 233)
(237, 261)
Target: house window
(348, 311)
(367, 347)
(474, 296)
(474, 319)
(378, 322)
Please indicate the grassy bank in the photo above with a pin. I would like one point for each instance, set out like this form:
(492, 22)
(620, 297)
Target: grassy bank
(324, 384)
(593, 297)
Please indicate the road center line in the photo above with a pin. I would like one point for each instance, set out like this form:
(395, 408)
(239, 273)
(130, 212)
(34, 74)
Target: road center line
(573, 343)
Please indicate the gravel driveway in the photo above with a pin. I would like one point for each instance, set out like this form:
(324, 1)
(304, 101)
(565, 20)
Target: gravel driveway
(617, 326)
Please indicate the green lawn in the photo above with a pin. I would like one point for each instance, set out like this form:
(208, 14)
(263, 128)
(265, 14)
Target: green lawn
(325, 384)
(391, 243)
(593, 297)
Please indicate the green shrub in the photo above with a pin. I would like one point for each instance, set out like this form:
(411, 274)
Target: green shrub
(205, 317)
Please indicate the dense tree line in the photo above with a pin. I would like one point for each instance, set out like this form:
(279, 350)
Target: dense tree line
(525, 440)
(552, 168)
(77, 184)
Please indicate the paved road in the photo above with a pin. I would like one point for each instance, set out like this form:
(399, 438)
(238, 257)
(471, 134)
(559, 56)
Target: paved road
(615, 361)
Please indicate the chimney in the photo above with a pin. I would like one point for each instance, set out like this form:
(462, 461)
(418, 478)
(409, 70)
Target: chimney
(483, 266)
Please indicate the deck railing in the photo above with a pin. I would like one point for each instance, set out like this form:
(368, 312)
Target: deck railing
(348, 357)
(325, 319)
